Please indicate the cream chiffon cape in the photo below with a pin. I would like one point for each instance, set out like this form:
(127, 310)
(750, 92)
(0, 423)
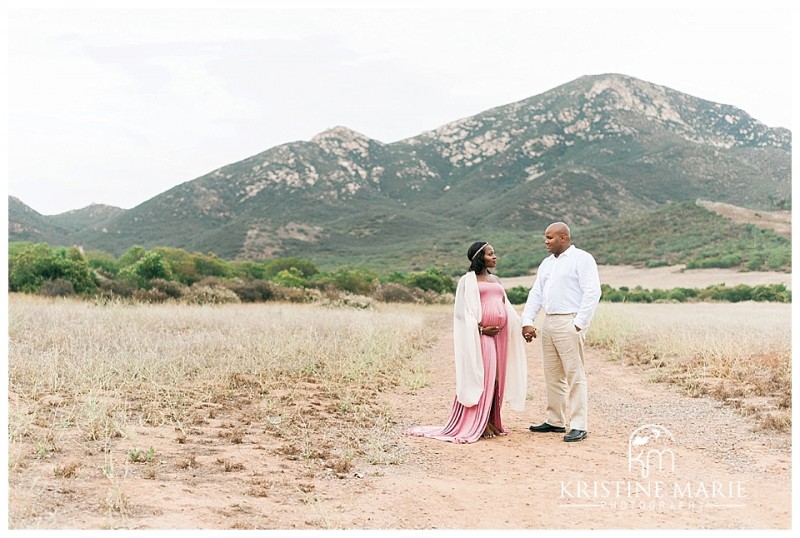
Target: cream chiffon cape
(467, 344)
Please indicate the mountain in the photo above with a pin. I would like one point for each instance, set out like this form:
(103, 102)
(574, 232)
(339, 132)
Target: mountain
(26, 224)
(588, 152)
(91, 217)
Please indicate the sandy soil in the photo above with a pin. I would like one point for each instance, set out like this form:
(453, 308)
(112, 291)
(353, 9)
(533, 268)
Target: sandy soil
(229, 471)
(665, 278)
(779, 222)
(532, 480)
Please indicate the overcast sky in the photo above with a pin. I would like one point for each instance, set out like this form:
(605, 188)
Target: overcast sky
(115, 106)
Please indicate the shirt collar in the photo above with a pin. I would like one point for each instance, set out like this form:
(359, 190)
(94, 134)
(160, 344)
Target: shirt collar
(569, 249)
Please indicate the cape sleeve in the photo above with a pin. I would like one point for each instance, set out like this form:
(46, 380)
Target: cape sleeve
(516, 389)
(466, 341)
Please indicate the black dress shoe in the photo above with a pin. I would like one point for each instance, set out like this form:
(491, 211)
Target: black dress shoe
(575, 435)
(545, 427)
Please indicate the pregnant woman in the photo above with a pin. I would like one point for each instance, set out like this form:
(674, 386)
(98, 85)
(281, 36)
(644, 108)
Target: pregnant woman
(489, 355)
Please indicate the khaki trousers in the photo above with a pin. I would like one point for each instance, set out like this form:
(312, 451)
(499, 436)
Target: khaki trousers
(564, 374)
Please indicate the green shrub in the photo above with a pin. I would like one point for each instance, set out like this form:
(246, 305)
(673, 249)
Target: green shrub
(132, 255)
(249, 270)
(290, 278)
(149, 266)
(211, 265)
(677, 294)
(103, 262)
(30, 266)
(518, 294)
(356, 281)
(430, 280)
(778, 259)
(772, 293)
(718, 292)
(272, 267)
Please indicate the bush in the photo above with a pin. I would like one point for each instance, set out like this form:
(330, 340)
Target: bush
(298, 295)
(249, 270)
(776, 260)
(201, 294)
(614, 296)
(518, 294)
(253, 291)
(102, 261)
(677, 294)
(153, 295)
(132, 255)
(336, 299)
(211, 265)
(169, 288)
(148, 266)
(430, 280)
(774, 292)
(290, 278)
(273, 267)
(32, 265)
(432, 297)
(57, 287)
(355, 281)
(396, 293)
(110, 288)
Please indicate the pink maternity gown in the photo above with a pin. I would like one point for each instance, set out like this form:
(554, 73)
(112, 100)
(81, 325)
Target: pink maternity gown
(467, 424)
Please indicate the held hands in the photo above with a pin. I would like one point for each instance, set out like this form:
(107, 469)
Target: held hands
(528, 333)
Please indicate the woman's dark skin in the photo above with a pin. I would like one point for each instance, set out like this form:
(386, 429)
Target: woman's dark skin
(490, 262)
(483, 275)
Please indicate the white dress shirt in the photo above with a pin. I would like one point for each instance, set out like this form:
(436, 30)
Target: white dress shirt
(565, 284)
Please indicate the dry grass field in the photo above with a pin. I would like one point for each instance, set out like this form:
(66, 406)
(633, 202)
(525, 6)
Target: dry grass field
(739, 354)
(286, 416)
(104, 394)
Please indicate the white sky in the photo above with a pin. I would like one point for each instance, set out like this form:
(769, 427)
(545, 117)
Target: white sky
(116, 106)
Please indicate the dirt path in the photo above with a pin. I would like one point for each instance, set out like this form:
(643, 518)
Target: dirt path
(666, 278)
(727, 476)
(230, 470)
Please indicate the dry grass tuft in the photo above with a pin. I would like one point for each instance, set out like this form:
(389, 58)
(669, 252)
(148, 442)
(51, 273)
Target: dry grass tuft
(70, 470)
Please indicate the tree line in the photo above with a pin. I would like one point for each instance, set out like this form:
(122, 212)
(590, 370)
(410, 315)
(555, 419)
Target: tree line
(166, 273)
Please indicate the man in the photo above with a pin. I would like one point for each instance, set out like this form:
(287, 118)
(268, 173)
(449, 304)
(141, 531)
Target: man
(567, 287)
